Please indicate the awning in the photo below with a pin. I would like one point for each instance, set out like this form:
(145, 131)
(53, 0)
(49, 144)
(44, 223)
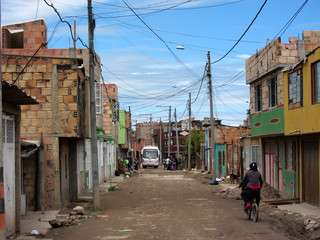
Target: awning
(29, 147)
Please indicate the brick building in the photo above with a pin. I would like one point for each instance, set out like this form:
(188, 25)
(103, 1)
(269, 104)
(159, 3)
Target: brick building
(58, 79)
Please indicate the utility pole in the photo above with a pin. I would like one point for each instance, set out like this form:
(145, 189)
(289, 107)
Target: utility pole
(212, 155)
(94, 155)
(150, 129)
(2, 214)
(177, 136)
(169, 144)
(169, 130)
(189, 141)
(130, 136)
(160, 141)
(135, 138)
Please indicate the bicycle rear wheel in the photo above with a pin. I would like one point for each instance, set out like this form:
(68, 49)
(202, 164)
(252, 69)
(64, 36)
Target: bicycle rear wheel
(255, 212)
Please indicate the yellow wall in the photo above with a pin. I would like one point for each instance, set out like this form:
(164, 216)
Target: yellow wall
(305, 119)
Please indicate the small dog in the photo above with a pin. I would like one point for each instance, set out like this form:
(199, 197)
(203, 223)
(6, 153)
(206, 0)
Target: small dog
(234, 178)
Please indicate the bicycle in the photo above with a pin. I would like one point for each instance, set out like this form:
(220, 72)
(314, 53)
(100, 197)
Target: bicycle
(254, 210)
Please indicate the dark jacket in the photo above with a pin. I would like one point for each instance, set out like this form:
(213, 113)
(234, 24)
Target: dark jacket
(252, 178)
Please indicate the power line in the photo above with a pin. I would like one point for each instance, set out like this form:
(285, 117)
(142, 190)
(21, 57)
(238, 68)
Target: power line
(242, 34)
(161, 39)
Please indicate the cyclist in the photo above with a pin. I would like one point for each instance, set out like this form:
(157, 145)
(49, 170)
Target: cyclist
(251, 185)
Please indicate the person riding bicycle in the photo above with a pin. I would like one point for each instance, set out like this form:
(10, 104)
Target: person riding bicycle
(251, 185)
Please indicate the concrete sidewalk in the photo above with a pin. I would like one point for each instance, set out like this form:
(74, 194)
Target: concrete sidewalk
(304, 209)
(36, 220)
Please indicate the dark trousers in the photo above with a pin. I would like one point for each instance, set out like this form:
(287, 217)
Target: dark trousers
(249, 194)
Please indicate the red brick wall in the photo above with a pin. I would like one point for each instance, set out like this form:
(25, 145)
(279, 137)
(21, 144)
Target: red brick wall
(34, 34)
(230, 136)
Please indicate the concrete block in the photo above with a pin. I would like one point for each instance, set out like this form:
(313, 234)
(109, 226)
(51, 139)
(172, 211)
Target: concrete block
(11, 68)
(68, 83)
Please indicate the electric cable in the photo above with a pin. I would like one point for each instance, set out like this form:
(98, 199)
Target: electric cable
(242, 34)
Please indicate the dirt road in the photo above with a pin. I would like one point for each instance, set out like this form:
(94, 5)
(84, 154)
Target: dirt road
(157, 204)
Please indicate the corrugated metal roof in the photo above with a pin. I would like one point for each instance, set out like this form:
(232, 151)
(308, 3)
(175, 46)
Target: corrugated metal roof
(15, 95)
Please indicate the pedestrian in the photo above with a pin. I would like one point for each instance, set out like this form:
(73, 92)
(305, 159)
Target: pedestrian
(126, 162)
(130, 164)
(168, 161)
(174, 164)
(165, 166)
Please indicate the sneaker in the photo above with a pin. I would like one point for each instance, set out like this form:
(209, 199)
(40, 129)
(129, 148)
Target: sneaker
(248, 205)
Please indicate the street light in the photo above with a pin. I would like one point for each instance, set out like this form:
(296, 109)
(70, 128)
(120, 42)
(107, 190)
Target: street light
(212, 144)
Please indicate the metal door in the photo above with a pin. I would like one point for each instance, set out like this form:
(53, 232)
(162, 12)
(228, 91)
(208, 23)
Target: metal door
(8, 129)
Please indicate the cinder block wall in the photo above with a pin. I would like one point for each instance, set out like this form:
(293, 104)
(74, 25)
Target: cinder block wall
(110, 94)
(280, 53)
(276, 54)
(53, 82)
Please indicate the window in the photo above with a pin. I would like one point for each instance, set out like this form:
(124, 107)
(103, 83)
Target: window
(258, 97)
(252, 155)
(295, 86)
(315, 68)
(272, 91)
(290, 154)
(255, 154)
(98, 99)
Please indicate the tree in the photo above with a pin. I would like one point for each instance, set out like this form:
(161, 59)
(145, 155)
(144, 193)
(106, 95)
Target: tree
(196, 137)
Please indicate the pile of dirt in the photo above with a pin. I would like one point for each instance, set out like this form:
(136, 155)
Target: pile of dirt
(296, 225)
(269, 193)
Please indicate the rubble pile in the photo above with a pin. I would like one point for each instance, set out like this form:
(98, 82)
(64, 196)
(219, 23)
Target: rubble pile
(64, 220)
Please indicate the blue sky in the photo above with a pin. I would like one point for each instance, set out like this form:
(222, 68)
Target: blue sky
(138, 47)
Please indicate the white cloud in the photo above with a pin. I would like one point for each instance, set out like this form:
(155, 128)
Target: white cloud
(243, 56)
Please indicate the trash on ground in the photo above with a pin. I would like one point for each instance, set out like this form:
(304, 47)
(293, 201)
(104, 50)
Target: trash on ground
(35, 232)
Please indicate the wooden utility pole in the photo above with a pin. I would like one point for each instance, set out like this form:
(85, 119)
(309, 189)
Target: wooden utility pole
(150, 129)
(212, 154)
(94, 154)
(2, 213)
(177, 136)
(189, 141)
(130, 136)
(169, 133)
(160, 141)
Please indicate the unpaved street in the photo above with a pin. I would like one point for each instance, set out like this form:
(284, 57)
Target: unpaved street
(157, 204)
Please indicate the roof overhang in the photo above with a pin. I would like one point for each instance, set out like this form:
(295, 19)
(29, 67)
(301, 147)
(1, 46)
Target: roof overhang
(15, 95)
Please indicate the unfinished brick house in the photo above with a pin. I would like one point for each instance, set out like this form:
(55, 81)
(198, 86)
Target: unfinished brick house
(275, 152)
(227, 147)
(58, 79)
